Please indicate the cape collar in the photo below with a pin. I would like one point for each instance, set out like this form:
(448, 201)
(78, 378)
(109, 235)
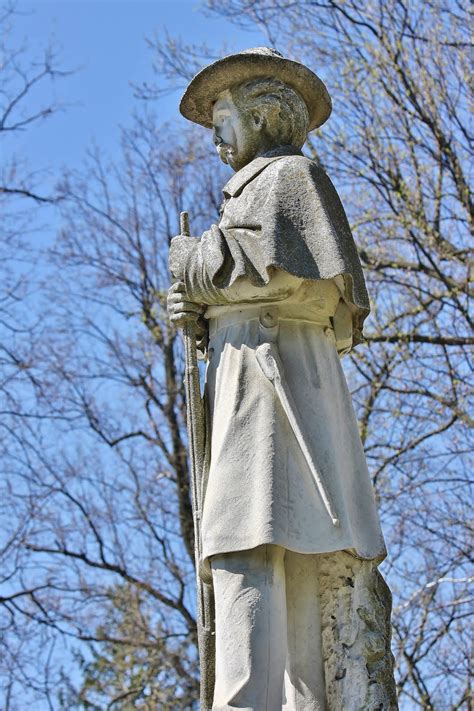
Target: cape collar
(243, 176)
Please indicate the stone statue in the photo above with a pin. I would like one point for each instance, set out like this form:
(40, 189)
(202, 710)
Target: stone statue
(289, 524)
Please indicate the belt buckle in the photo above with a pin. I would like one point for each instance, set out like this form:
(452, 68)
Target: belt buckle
(268, 316)
(268, 323)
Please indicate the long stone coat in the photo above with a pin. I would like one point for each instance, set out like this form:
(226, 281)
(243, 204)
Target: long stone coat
(282, 251)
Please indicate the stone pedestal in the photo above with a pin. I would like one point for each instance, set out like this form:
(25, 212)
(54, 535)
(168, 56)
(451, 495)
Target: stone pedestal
(356, 604)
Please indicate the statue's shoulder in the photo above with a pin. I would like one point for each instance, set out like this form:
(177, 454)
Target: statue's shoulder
(294, 172)
(265, 173)
(293, 166)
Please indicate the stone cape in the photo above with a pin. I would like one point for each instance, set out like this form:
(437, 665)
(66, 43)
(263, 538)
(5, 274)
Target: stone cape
(281, 216)
(281, 210)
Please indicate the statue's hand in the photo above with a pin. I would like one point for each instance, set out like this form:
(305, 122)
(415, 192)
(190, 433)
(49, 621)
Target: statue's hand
(182, 311)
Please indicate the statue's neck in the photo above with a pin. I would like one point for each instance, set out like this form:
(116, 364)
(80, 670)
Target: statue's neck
(280, 151)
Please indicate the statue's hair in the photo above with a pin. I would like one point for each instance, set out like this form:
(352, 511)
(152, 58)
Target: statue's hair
(284, 111)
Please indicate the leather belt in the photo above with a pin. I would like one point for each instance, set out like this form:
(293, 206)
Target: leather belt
(269, 316)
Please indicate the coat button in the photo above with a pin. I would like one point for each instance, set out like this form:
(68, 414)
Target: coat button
(267, 319)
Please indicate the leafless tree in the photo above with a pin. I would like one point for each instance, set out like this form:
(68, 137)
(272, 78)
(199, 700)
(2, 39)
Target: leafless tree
(105, 554)
(98, 551)
(25, 101)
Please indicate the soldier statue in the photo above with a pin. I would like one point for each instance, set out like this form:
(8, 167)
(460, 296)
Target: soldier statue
(289, 529)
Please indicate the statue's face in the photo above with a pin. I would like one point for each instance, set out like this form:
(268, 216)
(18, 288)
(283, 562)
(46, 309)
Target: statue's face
(237, 133)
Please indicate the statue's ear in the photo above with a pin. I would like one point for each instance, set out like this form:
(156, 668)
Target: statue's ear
(258, 119)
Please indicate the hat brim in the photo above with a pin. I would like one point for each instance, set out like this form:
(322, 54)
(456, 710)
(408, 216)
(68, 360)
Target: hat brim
(203, 90)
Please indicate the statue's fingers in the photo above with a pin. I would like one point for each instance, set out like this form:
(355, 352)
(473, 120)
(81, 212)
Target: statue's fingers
(187, 307)
(177, 298)
(177, 302)
(177, 288)
(181, 317)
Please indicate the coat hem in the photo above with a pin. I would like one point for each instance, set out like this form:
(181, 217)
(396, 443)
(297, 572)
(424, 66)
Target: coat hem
(313, 550)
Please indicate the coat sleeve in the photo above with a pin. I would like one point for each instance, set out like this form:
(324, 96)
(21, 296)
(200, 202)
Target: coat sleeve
(242, 246)
(197, 263)
(201, 288)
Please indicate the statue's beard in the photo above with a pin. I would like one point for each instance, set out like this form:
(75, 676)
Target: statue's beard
(225, 151)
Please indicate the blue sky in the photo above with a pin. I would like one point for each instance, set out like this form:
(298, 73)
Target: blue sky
(104, 40)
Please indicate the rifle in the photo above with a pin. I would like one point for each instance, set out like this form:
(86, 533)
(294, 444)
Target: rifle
(195, 418)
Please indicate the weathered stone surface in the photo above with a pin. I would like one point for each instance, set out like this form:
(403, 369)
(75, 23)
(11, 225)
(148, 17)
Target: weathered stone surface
(281, 211)
(355, 610)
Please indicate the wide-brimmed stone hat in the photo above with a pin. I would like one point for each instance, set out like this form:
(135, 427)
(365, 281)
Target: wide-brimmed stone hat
(203, 90)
